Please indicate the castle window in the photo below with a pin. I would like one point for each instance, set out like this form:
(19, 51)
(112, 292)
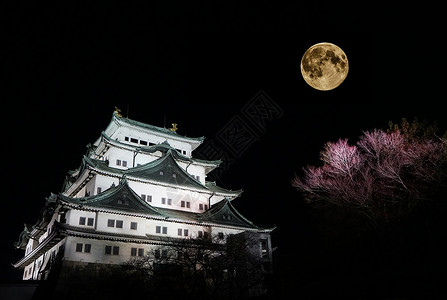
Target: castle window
(90, 221)
(98, 190)
(124, 163)
(133, 225)
(143, 196)
(163, 200)
(181, 232)
(159, 229)
(115, 250)
(81, 220)
(119, 224)
(143, 142)
(118, 162)
(87, 247)
(186, 204)
(169, 201)
(126, 138)
(149, 198)
(133, 140)
(79, 247)
(200, 234)
(200, 206)
(110, 223)
(137, 251)
(220, 235)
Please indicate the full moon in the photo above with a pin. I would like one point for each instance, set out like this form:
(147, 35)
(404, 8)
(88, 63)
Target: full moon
(324, 66)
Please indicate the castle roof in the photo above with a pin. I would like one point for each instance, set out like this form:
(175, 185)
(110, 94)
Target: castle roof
(162, 170)
(121, 199)
(119, 121)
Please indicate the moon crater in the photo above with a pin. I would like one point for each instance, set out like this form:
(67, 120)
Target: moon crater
(324, 66)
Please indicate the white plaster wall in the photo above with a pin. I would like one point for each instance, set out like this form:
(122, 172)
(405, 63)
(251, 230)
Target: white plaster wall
(73, 216)
(197, 170)
(143, 158)
(104, 182)
(215, 199)
(177, 195)
(115, 154)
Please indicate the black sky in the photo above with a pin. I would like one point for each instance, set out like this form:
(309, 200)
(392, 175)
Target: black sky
(65, 68)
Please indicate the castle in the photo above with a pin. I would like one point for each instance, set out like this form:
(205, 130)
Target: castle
(137, 187)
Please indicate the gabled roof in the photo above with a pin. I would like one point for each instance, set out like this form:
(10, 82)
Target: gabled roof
(120, 197)
(224, 212)
(165, 169)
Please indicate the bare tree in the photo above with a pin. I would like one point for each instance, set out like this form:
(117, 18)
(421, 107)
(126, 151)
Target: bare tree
(384, 175)
(201, 268)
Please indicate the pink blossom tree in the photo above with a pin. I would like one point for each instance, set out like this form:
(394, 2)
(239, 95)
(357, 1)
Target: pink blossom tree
(384, 175)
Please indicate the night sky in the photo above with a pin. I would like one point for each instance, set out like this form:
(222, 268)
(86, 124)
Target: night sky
(65, 69)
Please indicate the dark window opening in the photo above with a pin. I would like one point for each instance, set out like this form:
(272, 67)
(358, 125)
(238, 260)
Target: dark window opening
(79, 247)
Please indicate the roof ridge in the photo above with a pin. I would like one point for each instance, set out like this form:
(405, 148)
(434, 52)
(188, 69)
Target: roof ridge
(153, 127)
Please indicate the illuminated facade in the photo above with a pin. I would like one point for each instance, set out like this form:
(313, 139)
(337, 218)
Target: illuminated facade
(137, 185)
